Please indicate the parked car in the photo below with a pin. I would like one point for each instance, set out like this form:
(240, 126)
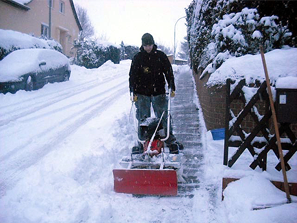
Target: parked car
(31, 69)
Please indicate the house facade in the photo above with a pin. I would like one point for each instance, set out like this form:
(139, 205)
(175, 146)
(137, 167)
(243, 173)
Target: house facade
(37, 18)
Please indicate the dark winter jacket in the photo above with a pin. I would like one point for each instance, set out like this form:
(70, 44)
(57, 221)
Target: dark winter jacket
(147, 72)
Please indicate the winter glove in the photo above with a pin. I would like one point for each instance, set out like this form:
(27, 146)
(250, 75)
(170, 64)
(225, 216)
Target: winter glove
(133, 97)
(172, 94)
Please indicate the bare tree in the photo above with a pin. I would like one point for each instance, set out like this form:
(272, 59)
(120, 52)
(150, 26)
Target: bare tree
(88, 29)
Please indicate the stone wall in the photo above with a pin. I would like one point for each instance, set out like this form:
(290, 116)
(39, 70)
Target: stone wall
(213, 103)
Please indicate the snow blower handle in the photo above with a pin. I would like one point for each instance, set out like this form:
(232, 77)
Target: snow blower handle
(168, 122)
(170, 94)
(153, 136)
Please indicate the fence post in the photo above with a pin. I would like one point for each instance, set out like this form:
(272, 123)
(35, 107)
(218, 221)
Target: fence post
(227, 115)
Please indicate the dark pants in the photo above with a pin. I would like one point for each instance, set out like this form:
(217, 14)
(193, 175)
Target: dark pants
(160, 104)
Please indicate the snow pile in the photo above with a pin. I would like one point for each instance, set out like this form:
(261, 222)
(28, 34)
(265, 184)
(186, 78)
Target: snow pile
(256, 192)
(252, 191)
(280, 63)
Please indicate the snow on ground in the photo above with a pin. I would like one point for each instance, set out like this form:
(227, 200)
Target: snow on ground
(253, 190)
(59, 145)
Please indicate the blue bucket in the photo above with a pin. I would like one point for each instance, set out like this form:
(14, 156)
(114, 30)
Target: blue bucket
(218, 134)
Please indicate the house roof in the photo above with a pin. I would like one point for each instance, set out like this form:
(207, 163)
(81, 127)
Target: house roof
(75, 15)
(18, 3)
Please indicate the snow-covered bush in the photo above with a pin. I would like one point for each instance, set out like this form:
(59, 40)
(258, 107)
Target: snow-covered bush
(13, 40)
(53, 44)
(218, 29)
(128, 52)
(243, 32)
(94, 53)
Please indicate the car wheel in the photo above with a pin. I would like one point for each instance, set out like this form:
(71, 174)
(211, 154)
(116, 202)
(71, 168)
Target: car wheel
(66, 76)
(29, 84)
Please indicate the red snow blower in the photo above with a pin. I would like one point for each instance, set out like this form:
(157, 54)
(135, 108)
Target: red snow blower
(154, 171)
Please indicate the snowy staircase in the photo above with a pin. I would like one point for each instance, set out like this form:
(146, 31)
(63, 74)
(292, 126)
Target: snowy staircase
(186, 129)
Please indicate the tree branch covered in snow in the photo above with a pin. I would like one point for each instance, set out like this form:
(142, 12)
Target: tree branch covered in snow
(219, 29)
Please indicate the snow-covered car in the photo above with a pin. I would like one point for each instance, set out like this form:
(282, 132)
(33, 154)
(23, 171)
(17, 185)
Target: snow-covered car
(31, 69)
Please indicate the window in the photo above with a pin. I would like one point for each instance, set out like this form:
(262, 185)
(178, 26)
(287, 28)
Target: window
(62, 7)
(44, 30)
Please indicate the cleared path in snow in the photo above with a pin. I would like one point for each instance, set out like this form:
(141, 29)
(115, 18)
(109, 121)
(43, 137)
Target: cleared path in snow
(205, 195)
(187, 130)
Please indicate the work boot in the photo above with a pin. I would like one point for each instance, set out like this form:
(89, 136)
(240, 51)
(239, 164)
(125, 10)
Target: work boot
(175, 147)
(180, 146)
(137, 149)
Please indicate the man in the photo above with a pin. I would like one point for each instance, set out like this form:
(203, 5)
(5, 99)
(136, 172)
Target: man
(147, 85)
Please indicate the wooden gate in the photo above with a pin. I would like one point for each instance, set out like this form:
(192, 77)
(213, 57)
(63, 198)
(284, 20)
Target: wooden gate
(249, 126)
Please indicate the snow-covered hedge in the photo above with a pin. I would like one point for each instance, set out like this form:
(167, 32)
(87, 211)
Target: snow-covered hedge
(128, 52)
(13, 40)
(220, 29)
(94, 53)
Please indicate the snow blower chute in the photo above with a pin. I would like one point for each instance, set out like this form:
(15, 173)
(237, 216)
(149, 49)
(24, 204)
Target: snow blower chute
(153, 171)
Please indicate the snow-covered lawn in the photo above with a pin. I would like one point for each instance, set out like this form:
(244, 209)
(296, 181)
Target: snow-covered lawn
(59, 145)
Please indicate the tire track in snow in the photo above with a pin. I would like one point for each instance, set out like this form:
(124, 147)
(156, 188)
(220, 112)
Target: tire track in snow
(13, 166)
(67, 90)
(20, 113)
(71, 105)
(77, 103)
(62, 109)
(40, 98)
(50, 129)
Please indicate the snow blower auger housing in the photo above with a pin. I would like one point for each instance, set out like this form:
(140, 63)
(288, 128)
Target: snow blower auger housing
(152, 171)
